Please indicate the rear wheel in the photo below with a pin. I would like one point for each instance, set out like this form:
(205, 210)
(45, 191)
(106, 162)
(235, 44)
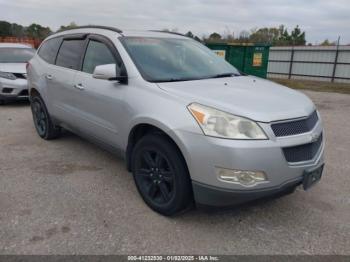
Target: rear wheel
(42, 120)
(161, 175)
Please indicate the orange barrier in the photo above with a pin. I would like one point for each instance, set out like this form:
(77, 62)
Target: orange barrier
(24, 40)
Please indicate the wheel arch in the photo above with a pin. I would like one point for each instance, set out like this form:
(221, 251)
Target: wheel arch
(33, 92)
(141, 129)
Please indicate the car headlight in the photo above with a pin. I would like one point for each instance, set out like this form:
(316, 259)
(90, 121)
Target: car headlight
(221, 124)
(7, 75)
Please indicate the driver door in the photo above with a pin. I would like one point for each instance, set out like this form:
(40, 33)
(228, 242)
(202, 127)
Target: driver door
(100, 102)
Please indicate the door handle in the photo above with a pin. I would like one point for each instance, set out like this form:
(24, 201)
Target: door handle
(79, 86)
(49, 77)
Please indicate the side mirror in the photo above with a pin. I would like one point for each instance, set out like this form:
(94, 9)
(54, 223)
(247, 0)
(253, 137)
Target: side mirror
(108, 72)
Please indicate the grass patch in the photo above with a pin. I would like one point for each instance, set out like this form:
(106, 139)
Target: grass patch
(315, 85)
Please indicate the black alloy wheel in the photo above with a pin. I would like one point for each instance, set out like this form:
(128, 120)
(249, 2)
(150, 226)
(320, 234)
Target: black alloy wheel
(39, 117)
(161, 175)
(42, 120)
(155, 176)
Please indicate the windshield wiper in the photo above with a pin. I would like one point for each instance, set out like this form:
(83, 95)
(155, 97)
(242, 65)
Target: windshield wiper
(192, 79)
(224, 75)
(175, 80)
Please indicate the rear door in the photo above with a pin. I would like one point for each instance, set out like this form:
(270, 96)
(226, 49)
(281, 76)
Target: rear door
(100, 102)
(61, 88)
(47, 52)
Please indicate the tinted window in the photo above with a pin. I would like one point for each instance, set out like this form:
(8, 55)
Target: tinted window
(97, 53)
(49, 48)
(16, 55)
(69, 54)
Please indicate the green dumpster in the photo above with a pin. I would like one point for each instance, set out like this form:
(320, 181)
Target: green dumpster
(248, 58)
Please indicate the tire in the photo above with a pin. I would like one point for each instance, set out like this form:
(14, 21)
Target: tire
(161, 175)
(42, 120)
(2, 102)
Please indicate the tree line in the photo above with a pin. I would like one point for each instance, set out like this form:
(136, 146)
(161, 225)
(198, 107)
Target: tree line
(275, 36)
(33, 31)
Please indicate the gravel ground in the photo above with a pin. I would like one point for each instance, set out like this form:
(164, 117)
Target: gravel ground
(69, 197)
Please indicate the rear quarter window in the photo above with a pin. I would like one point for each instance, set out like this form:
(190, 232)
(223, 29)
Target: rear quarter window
(49, 48)
(70, 53)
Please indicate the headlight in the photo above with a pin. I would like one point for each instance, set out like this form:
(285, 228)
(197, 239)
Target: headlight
(221, 124)
(7, 75)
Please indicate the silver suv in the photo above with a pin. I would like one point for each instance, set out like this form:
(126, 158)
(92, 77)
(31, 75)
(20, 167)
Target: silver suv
(13, 82)
(191, 128)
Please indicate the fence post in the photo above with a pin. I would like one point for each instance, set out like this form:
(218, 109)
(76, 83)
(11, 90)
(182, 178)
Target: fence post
(335, 61)
(291, 63)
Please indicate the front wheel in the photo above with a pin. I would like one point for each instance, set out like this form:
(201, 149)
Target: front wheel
(161, 175)
(42, 120)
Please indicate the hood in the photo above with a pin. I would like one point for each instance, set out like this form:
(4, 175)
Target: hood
(13, 68)
(255, 98)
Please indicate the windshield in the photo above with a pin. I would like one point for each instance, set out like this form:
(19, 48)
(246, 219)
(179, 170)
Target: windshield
(170, 59)
(16, 55)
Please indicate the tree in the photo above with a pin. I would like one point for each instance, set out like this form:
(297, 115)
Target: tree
(67, 27)
(5, 28)
(197, 39)
(328, 43)
(38, 31)
(228, 35)
(243, 37)
(189, 34)
(280, 36)
(297, 37)
(265, 35)
(215, 36)
(18, 30)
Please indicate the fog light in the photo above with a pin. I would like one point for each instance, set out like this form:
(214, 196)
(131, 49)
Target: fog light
(245, 178)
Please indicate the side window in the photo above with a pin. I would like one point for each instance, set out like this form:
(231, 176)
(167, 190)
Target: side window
(49, 48)
(69, 54)
(96, 54)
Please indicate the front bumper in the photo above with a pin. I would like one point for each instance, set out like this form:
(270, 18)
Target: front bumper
(206, 195)
(13, 89)
(205, 154)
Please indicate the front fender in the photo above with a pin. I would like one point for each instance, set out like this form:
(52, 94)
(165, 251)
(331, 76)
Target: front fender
(164, 127)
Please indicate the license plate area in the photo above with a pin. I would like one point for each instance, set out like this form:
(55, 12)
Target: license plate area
(311, 177)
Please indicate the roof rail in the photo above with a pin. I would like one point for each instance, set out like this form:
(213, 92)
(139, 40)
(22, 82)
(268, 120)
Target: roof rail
(114, 29)
(174, 33)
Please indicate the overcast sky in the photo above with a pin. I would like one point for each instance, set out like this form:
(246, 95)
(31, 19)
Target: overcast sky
(320, 19)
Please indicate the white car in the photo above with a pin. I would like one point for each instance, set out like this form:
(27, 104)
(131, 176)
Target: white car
(13, 77)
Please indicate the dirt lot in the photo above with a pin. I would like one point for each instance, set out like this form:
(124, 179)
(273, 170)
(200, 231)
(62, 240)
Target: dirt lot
(70, 197)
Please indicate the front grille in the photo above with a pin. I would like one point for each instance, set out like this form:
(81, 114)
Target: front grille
(295, 127)
(19, 75)
(304, 152)
(7, 90)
